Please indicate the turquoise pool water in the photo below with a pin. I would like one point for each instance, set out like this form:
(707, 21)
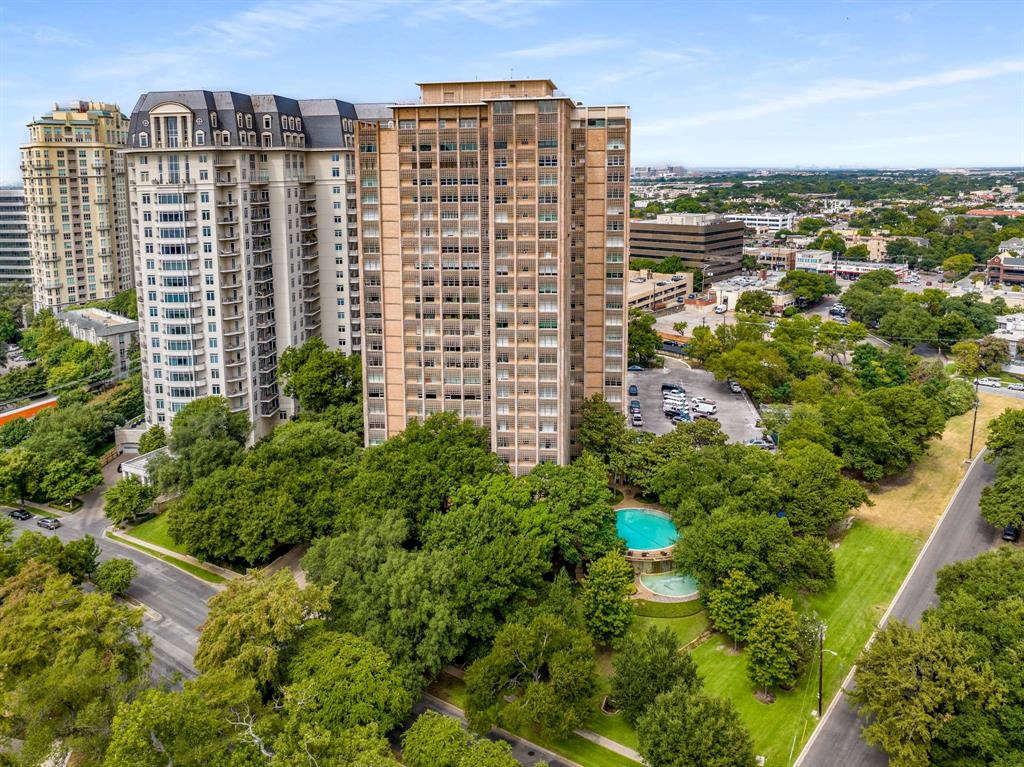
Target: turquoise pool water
(670, 584)
(643, 529)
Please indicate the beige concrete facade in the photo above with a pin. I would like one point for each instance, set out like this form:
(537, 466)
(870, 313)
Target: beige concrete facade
(76, 201)
(244, 236)
(493, 229)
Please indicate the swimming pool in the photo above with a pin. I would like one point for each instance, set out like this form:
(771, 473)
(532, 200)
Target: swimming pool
(671, 584)
(645, 529)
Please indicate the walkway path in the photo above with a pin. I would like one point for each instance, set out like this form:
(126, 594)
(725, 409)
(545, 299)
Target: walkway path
(611, 745)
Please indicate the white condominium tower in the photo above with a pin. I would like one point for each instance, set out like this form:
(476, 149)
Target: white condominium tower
(243, 220)
(493, 225)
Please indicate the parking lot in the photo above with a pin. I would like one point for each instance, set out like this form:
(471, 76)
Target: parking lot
(735, 412)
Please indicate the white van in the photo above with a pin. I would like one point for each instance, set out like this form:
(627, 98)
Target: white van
(703, 408)
(721, 309)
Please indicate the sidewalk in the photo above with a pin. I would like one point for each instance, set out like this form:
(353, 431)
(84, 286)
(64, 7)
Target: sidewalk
(224, 573)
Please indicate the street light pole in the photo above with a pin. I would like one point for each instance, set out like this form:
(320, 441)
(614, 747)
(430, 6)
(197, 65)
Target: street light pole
(821, 668)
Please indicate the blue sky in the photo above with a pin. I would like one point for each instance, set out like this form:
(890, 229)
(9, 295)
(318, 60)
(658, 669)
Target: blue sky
(896, 84)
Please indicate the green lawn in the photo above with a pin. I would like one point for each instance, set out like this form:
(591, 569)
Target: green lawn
(574, 747)
(181, 564)
(155, 531)
(871, 563)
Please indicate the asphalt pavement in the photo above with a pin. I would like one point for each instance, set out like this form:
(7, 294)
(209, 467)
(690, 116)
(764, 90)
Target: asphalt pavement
(176, 601)
(961, 534)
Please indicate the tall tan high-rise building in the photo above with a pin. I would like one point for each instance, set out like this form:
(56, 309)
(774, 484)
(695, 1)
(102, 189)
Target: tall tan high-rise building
(494, 222)
(76, 200)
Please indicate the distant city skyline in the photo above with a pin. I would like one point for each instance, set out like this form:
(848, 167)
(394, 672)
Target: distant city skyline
(725, 85)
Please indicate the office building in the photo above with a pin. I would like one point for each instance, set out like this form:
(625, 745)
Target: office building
(704, 241)
(1006, 268)
(75, 198)
(15, 257)
(655, 292)
(100, 326)
(243, 213)
(494, 230)
(764, 222)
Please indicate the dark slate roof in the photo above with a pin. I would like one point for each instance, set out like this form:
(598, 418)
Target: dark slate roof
(322, 119)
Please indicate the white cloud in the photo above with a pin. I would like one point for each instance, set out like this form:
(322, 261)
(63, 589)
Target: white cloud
(572, 46)
(837, 91)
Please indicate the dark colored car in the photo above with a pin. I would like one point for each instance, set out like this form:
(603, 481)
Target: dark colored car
(681, 418)
(635, 368)
(706, 416)
(48, 523)
(633, 391)
(672, 387)
(634, 407)
(1011, 534)
(21, 514)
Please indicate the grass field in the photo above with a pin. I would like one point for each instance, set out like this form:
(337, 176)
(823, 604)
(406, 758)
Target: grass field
(181, 564)
(913, 502)
(871, 562)
(155, 531)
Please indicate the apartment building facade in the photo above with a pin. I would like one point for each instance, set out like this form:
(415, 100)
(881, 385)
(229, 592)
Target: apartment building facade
(76, 204)
(243, 214)
(705, 241)
(494, 229)
(15, 256)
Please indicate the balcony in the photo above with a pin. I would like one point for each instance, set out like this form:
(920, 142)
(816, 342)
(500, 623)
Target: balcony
(307, 179)
(223, 162)
(260, 178)
(224, 179)
(226, 203)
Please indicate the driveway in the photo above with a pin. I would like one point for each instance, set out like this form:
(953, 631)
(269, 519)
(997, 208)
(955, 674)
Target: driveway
(961, 534)
(735, 412)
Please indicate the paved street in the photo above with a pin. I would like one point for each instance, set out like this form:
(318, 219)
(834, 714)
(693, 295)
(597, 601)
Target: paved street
(961, 535)
(177, 598)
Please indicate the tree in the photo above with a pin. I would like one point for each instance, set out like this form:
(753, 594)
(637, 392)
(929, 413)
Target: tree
(808, 287)
(154, 439)
(730, 605)
(1002, 502)
(685, 729)
(816, 494)
(953, 328)
(857, 253)
(968, 358)
(21, 472)
(811, 225)
(602, 429)
(318, 377)
(606, 608)
(435, 740)
(760, 369)
(644, 340)
(69, 659)
(114, 576)
(14, 432)
(704, 344)
(829, 240)
(76, 474)
(205, 436)
(252, 621)
(78, 558)
(1005, 433)
(959, 265)
(773, 643)
(128, 500)
(346, 682)
(993, 353)
(546, 665)
(648, 664)
(755, 302)
(910, 683)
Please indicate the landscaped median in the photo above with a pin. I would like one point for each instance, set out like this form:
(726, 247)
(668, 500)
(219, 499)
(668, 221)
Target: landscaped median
(152, 538)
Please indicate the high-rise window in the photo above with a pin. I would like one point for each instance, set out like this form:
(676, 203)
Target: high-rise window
(171, 128)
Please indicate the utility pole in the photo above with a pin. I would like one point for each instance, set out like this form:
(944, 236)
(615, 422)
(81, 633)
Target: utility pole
(974, 422)
(821, 669)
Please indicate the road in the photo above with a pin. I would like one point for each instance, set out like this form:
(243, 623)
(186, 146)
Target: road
(176, 600)
(961, 534)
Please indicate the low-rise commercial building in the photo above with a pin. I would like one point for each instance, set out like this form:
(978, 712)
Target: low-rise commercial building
(825, 262)
(1013, 245)
(1006, 268)
(97, 326)
(704, 241)
(775, 259)
(764, 222)
(652, 291)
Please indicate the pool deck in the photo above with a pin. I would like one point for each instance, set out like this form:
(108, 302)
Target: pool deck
(644, 593)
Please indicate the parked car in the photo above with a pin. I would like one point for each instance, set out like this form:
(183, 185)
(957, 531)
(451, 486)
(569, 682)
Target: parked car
(1016, 387)
(696, 416)
(735, 388)
(704, 408)
(843, 321)
(21, 514)
(635, 368)
(681, 418)
(672, 387)
(764, 444)
(48, 523)
(721, 309)
(989, 382)
(1011, 534)
(702, 400)
(633, 390)
(678, 405)
(634, 407)
(637, 420)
